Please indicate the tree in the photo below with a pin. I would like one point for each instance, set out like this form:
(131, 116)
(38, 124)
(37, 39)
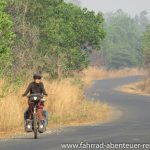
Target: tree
(67, 34)
(146, 46)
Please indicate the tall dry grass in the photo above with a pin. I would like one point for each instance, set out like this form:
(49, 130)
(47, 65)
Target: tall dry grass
(66, 104)
(143, 87)
(93, 73)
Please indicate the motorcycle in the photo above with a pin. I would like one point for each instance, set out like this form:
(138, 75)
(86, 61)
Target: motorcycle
(34, 125)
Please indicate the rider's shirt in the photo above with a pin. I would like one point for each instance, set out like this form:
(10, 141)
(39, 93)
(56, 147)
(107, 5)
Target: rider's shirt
(34, 88)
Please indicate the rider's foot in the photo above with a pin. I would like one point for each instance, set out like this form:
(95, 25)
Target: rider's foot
(43, 122)
(28, 120)
(42, 127)
(28, 125)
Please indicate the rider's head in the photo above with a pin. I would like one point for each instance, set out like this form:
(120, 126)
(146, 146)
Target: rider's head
(37, 78)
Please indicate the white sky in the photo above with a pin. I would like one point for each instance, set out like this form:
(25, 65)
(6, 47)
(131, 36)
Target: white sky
(131, 6)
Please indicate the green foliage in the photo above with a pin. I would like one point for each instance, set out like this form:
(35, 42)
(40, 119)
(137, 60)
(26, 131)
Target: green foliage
(53, 36)
(6, 38)
(67, 33)
(122, 46)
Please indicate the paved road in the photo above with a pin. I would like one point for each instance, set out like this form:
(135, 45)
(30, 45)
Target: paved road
(133, 127)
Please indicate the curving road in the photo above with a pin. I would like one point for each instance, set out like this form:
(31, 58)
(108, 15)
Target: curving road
(133, 127)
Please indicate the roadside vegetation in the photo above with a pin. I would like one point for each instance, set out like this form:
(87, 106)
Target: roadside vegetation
(66, 105)
(96, 73)
(55, 39)
(59, 35)
(138, 88)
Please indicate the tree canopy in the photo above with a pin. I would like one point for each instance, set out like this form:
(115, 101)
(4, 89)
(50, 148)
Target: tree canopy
(64, 35)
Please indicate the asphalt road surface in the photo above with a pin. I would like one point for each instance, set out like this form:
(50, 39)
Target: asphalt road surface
(133, 127)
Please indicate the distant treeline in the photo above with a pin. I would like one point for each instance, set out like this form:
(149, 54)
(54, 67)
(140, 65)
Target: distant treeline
(123, 45)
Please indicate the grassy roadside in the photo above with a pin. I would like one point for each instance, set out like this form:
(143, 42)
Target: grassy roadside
(140, 88)
(94, 73)
(66, 103)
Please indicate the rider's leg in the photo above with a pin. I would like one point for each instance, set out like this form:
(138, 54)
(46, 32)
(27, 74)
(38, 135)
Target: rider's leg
(26, 114)
(30, 109)
(40, 114)
(40, 111)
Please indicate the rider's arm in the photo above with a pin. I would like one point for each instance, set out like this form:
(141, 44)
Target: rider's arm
(27, 90)
(43, 89)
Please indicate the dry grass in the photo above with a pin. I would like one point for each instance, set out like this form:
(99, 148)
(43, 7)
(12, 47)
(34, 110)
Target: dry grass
(11, 112)
(101, 73)
(66, 105)
(140, 88)
(145, 85)
(66, 102)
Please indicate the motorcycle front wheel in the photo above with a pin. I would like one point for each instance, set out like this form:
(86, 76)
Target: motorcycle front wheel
(35, 126)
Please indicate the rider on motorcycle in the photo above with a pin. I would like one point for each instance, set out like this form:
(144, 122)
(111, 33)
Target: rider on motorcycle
(36, 87)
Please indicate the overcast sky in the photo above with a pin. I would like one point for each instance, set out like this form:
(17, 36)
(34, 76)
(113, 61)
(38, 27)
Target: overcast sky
(131, 6)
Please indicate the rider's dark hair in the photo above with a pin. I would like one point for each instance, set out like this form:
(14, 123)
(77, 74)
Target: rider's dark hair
(37, 76)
